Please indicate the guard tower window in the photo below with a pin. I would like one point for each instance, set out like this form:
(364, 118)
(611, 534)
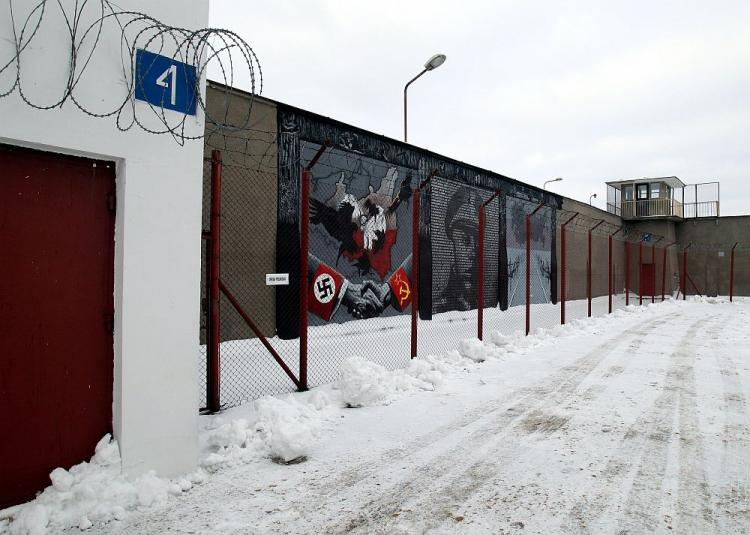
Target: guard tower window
(655, 191)
(642, 191)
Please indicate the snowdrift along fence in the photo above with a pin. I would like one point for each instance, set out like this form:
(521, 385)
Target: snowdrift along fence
(364, 257)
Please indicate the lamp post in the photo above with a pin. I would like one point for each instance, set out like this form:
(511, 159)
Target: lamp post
(591, 199)
(433, 63)
(558, 179)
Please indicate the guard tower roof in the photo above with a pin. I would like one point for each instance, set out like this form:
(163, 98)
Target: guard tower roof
(671, 181)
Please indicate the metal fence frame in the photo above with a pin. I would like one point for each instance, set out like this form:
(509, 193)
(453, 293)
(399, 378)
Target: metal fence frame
(567, 224)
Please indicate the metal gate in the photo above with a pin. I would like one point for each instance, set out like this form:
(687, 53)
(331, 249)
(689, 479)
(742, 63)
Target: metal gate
(56, 314)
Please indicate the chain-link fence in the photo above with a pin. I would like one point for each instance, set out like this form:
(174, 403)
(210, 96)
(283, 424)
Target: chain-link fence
(714, 269)
(253, 359)
(369, 241)
(360, 258)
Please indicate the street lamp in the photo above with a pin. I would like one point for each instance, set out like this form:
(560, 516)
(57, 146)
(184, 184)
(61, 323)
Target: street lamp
(591, 199)
(433, 63)
(558, 179)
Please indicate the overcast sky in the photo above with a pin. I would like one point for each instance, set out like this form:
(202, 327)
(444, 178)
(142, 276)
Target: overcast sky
(588, 91)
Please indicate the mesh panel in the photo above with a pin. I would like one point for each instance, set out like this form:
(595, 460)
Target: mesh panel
(360, 269)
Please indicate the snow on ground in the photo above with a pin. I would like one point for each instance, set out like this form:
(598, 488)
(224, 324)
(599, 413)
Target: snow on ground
(631, 423)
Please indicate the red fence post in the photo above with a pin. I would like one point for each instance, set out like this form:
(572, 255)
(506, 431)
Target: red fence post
(664, 269)
(528, 267)
(528, 274)
(480, 266)
(627, 273)
(563, 273)
(638, 271)
(653, 271)
(304, 249)
(610, 273)
(414, 268)
(214, 312)
(415, 259)
(588, 275)
(683, 277)
(564, 268)
(588, 268)
(480, 274)
(731, 273)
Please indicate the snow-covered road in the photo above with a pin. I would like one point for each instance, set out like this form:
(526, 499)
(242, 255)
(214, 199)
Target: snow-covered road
(633, 423)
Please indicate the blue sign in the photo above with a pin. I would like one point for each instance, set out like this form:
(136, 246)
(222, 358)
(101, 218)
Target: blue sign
(165, 82)
(646, 237)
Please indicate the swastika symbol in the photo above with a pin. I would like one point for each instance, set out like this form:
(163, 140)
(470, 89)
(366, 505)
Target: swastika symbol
(324, 288)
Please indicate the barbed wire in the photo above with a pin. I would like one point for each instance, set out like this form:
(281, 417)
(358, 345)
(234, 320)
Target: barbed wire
(222, 50)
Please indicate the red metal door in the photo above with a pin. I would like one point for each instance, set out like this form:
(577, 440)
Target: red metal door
(646, 280)
(56, 303)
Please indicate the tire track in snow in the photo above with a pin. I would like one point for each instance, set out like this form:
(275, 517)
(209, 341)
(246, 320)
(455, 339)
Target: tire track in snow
(733, 494)
(534, 402)
(558, 379)
(646, 442)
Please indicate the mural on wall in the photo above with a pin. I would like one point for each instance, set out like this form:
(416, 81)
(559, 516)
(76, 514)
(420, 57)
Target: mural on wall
(360, 226)
(360, 230)
(454, 235)
(365, 226)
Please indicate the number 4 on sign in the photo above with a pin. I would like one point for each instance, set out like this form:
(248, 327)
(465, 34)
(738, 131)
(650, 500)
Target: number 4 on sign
(162, 82)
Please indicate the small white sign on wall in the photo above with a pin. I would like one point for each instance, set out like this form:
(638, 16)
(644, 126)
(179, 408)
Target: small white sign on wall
(277, 279)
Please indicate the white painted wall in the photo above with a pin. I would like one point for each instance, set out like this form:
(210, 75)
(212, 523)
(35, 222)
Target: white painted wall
(158, 224)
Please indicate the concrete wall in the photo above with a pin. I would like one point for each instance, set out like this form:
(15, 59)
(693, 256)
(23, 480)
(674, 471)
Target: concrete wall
(586, 210)
(577, 254)
(577, 246)
(708, 267)
(157, 228)
(249, 204)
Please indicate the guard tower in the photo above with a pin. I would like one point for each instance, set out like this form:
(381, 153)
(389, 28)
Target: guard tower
(662, 198)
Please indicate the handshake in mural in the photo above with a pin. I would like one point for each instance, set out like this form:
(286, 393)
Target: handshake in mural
(328, 289)
(367, 299)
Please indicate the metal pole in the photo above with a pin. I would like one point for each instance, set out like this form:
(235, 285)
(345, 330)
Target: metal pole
(638, 272)
(610, 277)
(414, 269)
(214, 367)
(480, 274)
(528, 274)
(588, 268)
(406, 88)
(609, 272)
(627, 273)
(415, 219)
(480, 265)
(653, 272)
(731, 274)
(564, 267)
(588, 275)
(563, 273)
(304, 249)
(664, 269)
(528, 267)
(683, 281)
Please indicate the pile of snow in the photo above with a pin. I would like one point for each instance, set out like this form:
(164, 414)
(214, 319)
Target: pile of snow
(282, 429)
(93, 493)
(364, 383)
(96, 492)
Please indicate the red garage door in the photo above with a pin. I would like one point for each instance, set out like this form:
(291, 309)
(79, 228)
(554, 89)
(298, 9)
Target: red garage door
(56, 303)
